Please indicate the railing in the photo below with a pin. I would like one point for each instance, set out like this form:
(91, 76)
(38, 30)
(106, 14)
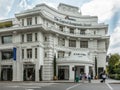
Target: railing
(67, 33)
(29, 60)
(6, 61)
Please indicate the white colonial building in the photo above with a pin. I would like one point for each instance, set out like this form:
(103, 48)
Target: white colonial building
(29, 42)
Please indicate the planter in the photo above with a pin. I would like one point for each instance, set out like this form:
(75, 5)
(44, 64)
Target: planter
(55, 78)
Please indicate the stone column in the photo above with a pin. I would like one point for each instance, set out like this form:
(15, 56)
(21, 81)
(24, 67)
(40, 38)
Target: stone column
(14, 66)
(86, 69)
(37, 72)
(71, 73)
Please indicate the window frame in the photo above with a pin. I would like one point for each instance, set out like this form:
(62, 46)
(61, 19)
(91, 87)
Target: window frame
(29, 37)
(7, 37)
(72, 43)
(83, 44)
(29, 21)
(29, 53)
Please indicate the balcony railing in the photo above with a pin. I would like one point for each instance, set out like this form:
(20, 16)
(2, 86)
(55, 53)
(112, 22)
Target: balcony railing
(67, 33)
(29, 60)
(6, 61)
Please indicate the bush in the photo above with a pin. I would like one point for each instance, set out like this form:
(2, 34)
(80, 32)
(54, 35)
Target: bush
(114, 76)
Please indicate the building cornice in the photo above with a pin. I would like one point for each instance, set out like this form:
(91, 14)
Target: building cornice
(37, 10)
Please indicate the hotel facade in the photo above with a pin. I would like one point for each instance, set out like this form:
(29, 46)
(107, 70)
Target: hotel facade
(30, 41)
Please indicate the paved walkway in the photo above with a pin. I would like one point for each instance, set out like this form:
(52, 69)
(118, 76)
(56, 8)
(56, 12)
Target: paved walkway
(107, 81)
(92, 81)
(65, 81)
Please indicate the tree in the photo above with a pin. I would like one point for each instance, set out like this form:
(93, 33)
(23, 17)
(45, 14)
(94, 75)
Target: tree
(117, 68)
(112, 62)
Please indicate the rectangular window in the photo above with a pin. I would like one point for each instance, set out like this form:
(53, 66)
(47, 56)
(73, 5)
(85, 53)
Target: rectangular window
(72, 43)
(7, 55)
(36, 36)
(61, 54)
(29, 37)
(7, 39)
(83, 44)
(45, 54)
(35, 52)
(46, 39)
(61, 41)
(29, 53)
(82, 31)
(61, 28)
(71, 30)
(22, 37)
(29, 21)
(22, 53)
(22, 22)
(35, 20)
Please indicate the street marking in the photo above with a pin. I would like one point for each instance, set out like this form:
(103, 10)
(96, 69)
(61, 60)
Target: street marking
(72, 87)
(29, 89)
(109, 86)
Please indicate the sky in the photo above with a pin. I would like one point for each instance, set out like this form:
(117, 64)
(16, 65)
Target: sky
(108, 12)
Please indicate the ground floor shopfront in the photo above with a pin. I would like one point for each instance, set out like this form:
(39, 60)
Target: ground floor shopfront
(26, 72)
(30, 72)
(70, 71)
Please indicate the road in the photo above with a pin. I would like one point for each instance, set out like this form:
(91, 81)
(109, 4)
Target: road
(59, 86)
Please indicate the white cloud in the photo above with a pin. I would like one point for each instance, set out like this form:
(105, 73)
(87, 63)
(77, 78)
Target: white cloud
(5, 7)
(24, 5)
(104, 9)
(115, 41)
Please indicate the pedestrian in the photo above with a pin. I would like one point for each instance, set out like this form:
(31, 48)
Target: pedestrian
(83, 77)
(89, 78)
(104, 77)
(80, 76)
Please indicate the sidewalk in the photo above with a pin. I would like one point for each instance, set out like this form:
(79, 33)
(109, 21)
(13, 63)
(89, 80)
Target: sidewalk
(92, 81)
(65, 81)
(107, 81)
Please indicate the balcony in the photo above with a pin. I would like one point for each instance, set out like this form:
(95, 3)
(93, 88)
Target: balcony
(64, 48)
(7, 61)
(29, 60)
(76, 35)
(22, 28)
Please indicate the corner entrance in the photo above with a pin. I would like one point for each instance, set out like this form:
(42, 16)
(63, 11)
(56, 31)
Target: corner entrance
(6, 72)
(63, 72)
(79, 70)
(29, 72)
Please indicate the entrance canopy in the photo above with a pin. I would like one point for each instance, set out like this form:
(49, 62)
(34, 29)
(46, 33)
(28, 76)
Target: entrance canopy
(76, 57)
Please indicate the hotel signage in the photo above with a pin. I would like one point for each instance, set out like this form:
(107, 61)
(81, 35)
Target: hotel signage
(71, 21)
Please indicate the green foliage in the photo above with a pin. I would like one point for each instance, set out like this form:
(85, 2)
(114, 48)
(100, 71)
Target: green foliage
(114, 66)
(115, 76)
(114, 59)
